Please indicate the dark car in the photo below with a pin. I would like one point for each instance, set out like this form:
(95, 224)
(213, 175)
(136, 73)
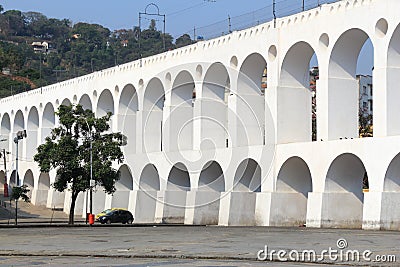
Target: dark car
(116, 216)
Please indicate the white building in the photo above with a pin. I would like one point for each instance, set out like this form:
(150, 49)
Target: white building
(366, 94)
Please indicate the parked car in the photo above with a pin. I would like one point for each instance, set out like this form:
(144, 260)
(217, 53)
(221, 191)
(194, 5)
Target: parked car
(116, 216)
(104, 212)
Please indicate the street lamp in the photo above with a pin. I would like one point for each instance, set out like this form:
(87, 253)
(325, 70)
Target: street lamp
(91, 182)
(20, 135)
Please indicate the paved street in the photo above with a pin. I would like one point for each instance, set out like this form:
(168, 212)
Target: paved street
(182, 246)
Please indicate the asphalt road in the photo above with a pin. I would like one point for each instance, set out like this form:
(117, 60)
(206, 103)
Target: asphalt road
(187, 246)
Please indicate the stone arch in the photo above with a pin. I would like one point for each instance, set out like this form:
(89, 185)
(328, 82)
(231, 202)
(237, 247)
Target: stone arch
(149, 178)
(12, 181)
(392, 87)
(214, 96)
(66, 102)
(19, 125)
(146, 200)
(294, 95)
(212, 178)
(250, 117)
(44, 181)
(5, 130)
(123, 186)
(289, 202)
(247, 177)
(153, 106)
(343, 85)
(29, 182)
(128, 106)
(392, 176)
(179, 124)
(125, 183)
(48, 121)
(105, 103)
(32, 132)
(85, 102)
(294, 176)
(343, 188)
(178, 178)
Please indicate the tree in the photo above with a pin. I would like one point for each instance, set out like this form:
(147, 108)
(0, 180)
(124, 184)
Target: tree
(17, 193)
(67, 150)
(183, 40)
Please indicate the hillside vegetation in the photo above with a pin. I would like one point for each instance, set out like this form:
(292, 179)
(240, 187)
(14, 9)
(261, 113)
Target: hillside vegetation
(36, 51)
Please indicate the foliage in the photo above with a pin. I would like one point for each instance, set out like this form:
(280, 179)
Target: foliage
(19, 192)
(365, 125)
(67, 150)
(74, 49)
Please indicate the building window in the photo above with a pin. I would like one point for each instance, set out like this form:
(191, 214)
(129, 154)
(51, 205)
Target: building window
(364, 90)
(365, 106)
(370, 89)
(370, 105)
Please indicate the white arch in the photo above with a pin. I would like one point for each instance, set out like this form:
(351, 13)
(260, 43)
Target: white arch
(214, 96)
(212, 177)
(128, 106)
(248, 176)
(85, 102)
(392, 84)
(149, 178)
(105, 103)
(153, 106)
(178, 178)
(19, 122)
(250, 103)
(48, 121)
(392, 176)
(66, 102)
(343, 86)
(29, 182)
(294, 176)
(125, 183)
(32, 132)
(44, 181)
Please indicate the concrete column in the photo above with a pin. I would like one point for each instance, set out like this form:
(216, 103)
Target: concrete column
(174, 207)
(207, 205)
(120, 199)
(238, 209)
(190, 207)
(55, 199)
(145, 206)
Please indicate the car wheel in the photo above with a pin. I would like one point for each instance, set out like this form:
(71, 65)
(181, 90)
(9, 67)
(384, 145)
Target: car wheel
(108, 221)
(129, 221)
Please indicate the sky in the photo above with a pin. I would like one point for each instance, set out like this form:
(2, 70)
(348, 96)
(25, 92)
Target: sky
(182, 16)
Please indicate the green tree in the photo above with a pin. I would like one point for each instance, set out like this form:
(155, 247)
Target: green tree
(19, 192)
(67, 150)
(183, 40)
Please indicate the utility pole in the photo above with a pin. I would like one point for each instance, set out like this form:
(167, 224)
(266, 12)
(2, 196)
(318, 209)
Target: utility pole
(274, 11)
(303, 5)
(5, 174)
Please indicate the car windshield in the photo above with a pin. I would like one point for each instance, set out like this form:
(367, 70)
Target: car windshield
(107, 211)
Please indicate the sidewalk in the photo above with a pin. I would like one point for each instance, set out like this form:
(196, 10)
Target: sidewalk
(29, 213)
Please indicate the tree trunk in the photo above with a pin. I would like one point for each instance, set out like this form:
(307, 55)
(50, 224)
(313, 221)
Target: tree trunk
(72, 208)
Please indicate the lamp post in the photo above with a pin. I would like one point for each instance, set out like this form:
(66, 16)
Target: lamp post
(20, 135)
(91, 182)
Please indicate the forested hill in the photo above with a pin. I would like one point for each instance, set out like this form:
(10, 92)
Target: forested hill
(36, 51)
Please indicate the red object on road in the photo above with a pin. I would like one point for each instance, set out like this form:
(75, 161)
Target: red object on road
(5, 190)
(91, 219)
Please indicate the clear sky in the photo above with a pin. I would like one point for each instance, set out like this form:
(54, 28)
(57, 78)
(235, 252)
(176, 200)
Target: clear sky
(181, 15)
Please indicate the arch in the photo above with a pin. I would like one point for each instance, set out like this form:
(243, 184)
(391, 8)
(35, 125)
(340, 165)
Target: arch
(48, 121)
(154, 95)
(32, 129)
(5, 124)
(5, 129)
(44, 181)
(149, 178)
(66, 102)
(19, 123)
(125, 183)
(295, 96)
(212, 178)
(178, 178)
(294, 176)
(2, 179)
(12, 181)
(128, 106)
(182, 89)
(392, 176)
(250, 125)
(153, 106)
(180, 120)
(105, 103)
(215, 92)
(29, 182)
(343, 86)
(248, 177)
(392, 87)
(346, 174)
(85, 102)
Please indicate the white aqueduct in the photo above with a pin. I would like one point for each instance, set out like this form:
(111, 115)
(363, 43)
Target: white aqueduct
(207, 146)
